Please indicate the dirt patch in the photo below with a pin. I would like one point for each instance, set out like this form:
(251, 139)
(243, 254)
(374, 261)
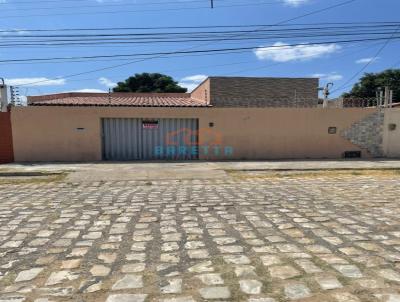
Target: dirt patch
(16, 178)
(246, 174)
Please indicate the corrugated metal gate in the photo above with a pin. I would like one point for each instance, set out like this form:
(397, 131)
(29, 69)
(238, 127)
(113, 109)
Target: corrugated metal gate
(149, 139)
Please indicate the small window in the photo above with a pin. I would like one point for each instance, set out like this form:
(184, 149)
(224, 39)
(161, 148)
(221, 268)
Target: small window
(332, 130)
(211, 125)
(392, 127)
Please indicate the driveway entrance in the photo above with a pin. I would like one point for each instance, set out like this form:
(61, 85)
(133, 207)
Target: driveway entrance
(149, 139)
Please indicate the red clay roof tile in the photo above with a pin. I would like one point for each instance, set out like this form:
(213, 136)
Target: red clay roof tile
(117, 99)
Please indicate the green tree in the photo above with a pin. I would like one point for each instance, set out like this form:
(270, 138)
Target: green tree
(149, 82)
(370, 82)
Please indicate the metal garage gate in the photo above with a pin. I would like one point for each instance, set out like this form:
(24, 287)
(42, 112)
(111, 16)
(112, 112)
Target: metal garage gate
(149, 139)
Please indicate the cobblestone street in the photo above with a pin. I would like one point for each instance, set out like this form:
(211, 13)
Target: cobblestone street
(257, 239)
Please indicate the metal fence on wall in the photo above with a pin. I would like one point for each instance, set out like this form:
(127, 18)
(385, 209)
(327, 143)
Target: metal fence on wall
(306, 103)
(361, 103)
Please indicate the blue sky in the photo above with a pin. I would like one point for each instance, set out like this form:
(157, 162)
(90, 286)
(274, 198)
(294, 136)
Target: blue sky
(331, 62)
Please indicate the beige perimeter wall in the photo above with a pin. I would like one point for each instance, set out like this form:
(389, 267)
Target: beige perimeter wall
(391, 137)
(51, 134)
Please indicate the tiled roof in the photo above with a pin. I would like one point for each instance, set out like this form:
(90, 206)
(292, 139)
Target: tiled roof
(117, 99)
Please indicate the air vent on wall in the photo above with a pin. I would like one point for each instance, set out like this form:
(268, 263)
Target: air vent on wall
(352, 154)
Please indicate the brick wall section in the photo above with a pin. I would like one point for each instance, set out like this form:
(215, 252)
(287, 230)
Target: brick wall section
(6, 143)
(202, 92)
(367, 133)
(263, 92)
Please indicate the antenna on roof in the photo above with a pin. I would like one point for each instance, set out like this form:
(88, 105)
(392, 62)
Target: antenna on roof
(109, 96)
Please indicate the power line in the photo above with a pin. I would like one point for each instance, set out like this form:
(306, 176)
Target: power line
(239, 63)
(135, 11)
(197, 27)
(315, 29)
(105, 5)
(116, 41)
(141, 60)
(80, 1)
(125, 41)
(195, 51)
(175, 56)
(370, 61)
(39, 1)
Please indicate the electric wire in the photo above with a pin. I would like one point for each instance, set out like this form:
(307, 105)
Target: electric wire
(340, 4)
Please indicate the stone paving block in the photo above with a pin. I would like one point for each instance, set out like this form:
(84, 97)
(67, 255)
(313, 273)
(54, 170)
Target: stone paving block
(178, 299)
(215, 293)
(283, 272)
(388, 297)
(100, 270)
(296, 291)
(250, 287)
(172, 286)
(350, 271)
(28, 274)
(126, 298)
(328, 282)
(133, 268)
(61, 277)
(128, 282)
(345, 297)
(211, 279)
(390, 275)
(71, 264)
(261, 300)
(15, 298)
(192, 239)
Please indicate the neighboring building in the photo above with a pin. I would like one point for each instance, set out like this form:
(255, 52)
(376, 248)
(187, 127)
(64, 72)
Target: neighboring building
(258, 92)
(214, 91)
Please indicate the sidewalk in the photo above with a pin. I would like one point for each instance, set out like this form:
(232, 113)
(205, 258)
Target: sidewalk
(118, 171)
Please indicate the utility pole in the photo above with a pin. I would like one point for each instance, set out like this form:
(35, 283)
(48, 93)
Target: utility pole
(3, 96)
(326, 93)
(387, 96)
(212, 3)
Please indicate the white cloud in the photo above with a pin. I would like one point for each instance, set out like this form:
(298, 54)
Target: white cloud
(107, 82)
(89, 90)
(333, 76)
(32, 82)
(366, 60)
(197, 78)
(190, 86)
(191, 82)
(295, 2)
(13, 31)
(281, 52)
